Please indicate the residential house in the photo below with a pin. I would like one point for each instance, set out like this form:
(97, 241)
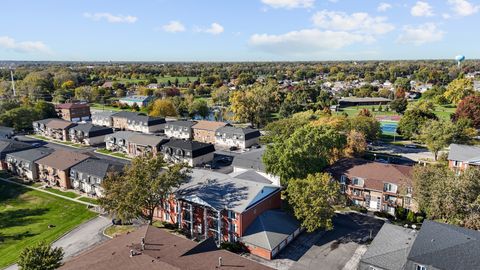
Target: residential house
(213, 204)
(141, 101)
(180, 129)
(107, 84)
(74, 112)
(6, 132)
(8, 146)
(145, 124)
(137, 122)
(204, 131)
(156, 249)
(144, 144)
(252, 161)
(389, 249)
(87, 176)
(103, 118)
(153, 86)
(241, 138)
(190, 152)
(437, 246)
(462, 157)
(54, 169)
(22, 163)
(53, 128)
(89, 134)
(374, 185)
(118, 141)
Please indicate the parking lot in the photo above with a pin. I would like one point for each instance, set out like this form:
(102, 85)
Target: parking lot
(340, 248)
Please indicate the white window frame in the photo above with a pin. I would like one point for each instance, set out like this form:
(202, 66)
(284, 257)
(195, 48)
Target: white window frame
(420, 267)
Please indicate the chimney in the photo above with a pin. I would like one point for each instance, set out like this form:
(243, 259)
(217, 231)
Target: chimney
(132, 253)
(219, 261)
(143, 246)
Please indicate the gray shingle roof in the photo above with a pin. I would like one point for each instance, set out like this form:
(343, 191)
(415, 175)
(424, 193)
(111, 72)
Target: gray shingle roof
(182, 123)
(9, 146)
(92, 130)
(102, 114)
(251, 175)
(270, 228)
(464, 153)
(445, 246)
(221, 191)
(230, 131)
(32, 154)
(250, 160)
(124, 114)
(121, 135)
(95, 167)
(390, 247)
(145, 139)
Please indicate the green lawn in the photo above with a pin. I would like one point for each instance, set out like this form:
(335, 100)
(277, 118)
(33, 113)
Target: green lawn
(25, 216)
(89, 200)
(117, 230)
(117, 154)
(68, 194)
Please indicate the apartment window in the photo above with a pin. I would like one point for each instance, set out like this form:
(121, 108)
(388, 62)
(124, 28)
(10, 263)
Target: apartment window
(343, 179)
(357, 181)
(389, 187)
(421, 267)
(232, 214)
(407, 200)
(456, 163)
(372, 268)
(409, 190)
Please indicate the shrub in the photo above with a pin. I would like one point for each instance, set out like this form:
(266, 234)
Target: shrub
(383, 215)
(411, 217)
(420, 219)
(358, 208)
(400, 213)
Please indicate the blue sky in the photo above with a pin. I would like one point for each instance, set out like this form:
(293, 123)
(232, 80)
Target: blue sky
(238, 30)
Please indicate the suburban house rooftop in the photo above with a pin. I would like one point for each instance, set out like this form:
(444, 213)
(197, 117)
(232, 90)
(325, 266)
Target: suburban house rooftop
(32, 154)
(247, 132)
(96, 167)
(464, 153)
(182, 123)
(375, 174)
(209, 125)
(162, 251)
(71, 105)
(250, 160)
(145, 139)
(190, 145)
(62, 160)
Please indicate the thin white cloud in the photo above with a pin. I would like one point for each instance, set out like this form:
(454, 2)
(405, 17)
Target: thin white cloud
(463, 7)
(422, 9)
(289, 4)
(306, 41)
(421, 34)
(357, 22)
(24, 46)
(214, 29)
(382, 7)
(174, 27)
(446, 16)
(110, 17)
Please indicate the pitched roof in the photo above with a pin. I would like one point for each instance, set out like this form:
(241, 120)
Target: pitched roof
(102, 114)
(145, 139)
(62, 160)
(209, 125)
(374, 174)
(163, 251)
(197, 148)
(9, 145)
(270, 228)
(221, 191)
(96, 167)
(390, 247)
(445, 246)
(364, 99)
(250, 160)
(181, 123)
(136, 98)
(464, 153)
(72, 105)
(92, 129)
(150, 120)
(121, 134)
(124, 114)
(59, 124)
(251, 175)
(44, 121)
(32, 154)
(248, 132)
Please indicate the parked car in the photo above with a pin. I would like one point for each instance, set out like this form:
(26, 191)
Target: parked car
(411, 145)
(256, 146)
(233, 148)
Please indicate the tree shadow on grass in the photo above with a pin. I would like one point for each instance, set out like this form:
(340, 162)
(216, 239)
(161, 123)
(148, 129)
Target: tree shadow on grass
(10, 191)
(19, 217)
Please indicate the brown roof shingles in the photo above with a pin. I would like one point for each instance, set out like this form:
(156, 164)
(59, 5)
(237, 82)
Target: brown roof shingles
(59, 124)
(374, 174)
(162, 251)
(209, 125)
(62, 160)
(71, 105)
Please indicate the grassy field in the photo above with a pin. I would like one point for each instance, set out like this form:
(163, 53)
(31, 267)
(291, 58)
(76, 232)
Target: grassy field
(116, 154)
(68, 194)
(442, 112)
(25, 216)
(89, 200)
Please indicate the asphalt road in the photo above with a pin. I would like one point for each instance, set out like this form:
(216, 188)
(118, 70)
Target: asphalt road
(83, 237)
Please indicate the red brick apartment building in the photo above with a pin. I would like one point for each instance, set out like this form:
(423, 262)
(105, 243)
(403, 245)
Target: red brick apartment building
(462, 157)
(74, 112)
(217, 205)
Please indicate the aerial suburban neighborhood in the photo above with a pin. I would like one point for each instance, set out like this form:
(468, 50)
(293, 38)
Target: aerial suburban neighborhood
(258, 134)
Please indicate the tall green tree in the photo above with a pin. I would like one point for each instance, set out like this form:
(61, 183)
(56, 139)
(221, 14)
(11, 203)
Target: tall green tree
(312, 198)
(399, 105)
(458, 89)
(145, 184)
(308, 150)
(413, 119)
(40, 257)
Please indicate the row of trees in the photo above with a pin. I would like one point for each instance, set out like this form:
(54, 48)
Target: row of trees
(21, 114)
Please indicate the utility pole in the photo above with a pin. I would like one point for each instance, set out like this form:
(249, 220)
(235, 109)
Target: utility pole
(13, 83)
